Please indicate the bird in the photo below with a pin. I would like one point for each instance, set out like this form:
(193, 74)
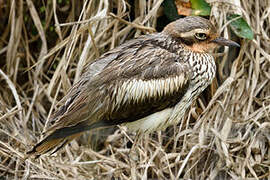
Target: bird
(146, 84)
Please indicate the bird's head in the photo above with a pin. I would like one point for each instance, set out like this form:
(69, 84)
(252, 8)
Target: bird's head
(197, 33)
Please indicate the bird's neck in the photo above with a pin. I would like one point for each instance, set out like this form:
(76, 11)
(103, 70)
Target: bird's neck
(202, 64)
(169, 43)
(176, 46)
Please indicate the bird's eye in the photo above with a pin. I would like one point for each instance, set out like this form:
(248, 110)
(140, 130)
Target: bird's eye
(200, 36)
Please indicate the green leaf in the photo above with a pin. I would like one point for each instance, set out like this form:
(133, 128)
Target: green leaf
(240, 27)
(42, 9)
(170, 10)
(200, 8)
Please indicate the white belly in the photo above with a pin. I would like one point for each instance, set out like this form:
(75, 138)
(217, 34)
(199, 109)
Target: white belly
(152, 122)
(162, 119)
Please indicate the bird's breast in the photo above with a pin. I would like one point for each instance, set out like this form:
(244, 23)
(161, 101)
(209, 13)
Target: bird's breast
(203, 72)
(203, 68)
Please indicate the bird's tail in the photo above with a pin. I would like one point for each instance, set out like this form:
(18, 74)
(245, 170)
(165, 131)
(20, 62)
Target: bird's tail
(60, 137)
(51, 144)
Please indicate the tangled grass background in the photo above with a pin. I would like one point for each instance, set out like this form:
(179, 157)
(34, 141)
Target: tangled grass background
(43, 48)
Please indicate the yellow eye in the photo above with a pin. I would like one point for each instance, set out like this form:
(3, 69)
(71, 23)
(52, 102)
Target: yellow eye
(200, 36)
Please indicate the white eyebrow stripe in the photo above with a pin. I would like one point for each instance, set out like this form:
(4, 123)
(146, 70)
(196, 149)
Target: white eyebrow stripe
(191, 33)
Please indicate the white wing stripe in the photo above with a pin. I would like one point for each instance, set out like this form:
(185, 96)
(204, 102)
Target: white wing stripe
(137, 90)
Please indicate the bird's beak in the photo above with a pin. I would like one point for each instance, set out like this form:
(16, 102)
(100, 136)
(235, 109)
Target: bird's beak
(225, 42)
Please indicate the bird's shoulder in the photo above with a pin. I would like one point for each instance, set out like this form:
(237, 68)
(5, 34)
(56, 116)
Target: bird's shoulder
(148, 57)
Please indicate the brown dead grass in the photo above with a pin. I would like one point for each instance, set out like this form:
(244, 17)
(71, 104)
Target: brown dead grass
(225, 135)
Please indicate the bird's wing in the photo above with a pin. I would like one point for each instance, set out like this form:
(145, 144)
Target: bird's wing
(143, 78)
(134, 89)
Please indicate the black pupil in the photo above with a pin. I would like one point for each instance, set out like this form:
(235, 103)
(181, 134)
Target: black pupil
(201, 35)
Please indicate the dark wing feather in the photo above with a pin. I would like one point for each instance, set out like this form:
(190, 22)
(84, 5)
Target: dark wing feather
(132, 81)
(155, 81)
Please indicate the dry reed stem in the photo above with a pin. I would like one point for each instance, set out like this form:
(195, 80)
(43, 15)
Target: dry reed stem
(225, 135)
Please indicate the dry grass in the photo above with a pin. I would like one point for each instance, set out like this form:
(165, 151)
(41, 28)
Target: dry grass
(225, 135)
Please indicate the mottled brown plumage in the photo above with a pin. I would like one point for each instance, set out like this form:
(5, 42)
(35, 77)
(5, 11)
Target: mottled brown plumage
(146, 83)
